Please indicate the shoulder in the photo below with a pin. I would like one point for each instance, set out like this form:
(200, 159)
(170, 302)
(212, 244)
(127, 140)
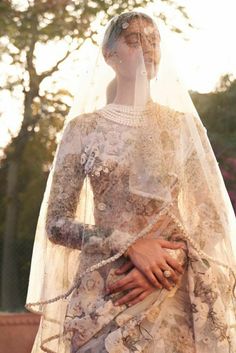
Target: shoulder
(184, 122)
(85, 123)
(170, 118)
(170, 113)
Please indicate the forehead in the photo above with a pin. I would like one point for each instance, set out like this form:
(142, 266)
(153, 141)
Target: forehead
(141, 25)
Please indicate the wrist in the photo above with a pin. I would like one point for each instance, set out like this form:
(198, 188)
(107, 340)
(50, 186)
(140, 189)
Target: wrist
(128, 252)
(118, 239)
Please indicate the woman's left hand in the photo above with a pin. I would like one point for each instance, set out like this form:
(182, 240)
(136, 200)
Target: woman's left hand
(138, 285)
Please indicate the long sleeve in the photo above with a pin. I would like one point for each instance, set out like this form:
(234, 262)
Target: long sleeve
(66, 186)
(67, 182)
(203, 203)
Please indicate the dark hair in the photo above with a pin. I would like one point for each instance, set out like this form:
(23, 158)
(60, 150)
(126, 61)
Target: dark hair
(115, 27)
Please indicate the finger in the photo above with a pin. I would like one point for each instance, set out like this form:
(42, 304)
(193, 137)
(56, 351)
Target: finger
(173, 277)
(125, 267)
(119, 284)
(141, 297)
(174, 264)
(162, 279)
(129, 285)
(171, 244)
(130, 296)
(153, 279)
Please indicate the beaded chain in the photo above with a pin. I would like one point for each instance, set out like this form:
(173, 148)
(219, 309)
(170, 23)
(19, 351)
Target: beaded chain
(165, 210)
(194, 244)
(102, 263)
(134, 117)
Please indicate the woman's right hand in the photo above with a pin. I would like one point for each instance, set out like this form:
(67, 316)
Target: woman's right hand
(151, 258)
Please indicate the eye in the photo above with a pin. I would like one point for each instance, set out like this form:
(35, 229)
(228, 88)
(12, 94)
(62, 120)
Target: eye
(154, 41)
(133, 39)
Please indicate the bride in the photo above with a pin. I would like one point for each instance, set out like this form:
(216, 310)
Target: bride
(135, 233)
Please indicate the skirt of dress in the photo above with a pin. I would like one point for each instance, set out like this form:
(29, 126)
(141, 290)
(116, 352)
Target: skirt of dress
(167, 328)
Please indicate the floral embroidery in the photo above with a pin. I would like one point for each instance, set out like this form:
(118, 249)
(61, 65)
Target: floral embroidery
(104, 155)
(88, 123)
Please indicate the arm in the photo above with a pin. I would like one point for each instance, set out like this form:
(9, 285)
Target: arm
(150, 254)
(202, 190)
(136, 282)
(66, 186)
(67, 182)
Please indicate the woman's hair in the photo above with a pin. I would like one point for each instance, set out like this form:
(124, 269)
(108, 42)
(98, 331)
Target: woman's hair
(118, 24)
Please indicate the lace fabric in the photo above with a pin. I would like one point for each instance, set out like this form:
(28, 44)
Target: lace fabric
(120, 173)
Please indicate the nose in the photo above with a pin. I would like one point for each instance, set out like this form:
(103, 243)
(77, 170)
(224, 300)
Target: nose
(150, 50)
(146, 44)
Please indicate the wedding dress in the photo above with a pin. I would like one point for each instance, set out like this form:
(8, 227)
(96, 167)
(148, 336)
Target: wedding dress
(123, 172)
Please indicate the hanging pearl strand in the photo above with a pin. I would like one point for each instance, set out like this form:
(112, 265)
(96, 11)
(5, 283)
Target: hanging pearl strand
(165, 210)
(103, 262)
(198, 249)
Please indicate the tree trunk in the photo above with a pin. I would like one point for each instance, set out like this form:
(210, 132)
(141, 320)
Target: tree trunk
(10, 282)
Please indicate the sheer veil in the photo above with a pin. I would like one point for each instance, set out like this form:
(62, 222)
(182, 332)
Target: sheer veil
(171, 163)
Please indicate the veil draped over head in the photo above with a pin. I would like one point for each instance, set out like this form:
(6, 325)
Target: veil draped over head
(132, 163)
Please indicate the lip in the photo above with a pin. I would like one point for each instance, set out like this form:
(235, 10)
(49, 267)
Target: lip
(149, 60)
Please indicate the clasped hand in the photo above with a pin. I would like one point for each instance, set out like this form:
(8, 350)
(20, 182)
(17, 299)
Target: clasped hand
(148, 261)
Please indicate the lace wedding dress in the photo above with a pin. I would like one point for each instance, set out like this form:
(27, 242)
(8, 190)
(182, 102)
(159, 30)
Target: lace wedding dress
(165, 319)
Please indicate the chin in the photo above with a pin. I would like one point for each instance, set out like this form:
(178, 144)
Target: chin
(151, 73)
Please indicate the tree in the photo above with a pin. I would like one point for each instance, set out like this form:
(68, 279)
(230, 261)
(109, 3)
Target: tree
(23, 26)
(218, 111)
(33, 171)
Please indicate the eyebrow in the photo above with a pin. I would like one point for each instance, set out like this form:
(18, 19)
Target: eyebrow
(132, 33)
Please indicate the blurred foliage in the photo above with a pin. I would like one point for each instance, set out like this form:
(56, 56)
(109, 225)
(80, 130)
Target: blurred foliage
(218, 112)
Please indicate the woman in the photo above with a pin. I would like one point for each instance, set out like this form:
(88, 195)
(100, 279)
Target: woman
(135, 191)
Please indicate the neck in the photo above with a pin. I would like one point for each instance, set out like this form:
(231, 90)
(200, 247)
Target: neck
(126, 95)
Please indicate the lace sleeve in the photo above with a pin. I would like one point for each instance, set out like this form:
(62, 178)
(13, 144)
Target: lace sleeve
(66, 185)
(201, 197)
(67, 181)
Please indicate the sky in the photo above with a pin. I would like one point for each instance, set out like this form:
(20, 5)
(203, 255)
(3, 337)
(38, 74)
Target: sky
(208, 53)
(211, 50)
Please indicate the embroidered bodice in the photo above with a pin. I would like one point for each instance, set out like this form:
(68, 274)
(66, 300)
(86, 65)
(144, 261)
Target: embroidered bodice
(98, 149)
(106, 149)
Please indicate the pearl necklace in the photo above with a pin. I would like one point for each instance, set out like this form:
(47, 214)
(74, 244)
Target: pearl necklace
(128, 115)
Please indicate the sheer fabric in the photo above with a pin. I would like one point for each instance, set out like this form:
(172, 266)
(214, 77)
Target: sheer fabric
(122, 172)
